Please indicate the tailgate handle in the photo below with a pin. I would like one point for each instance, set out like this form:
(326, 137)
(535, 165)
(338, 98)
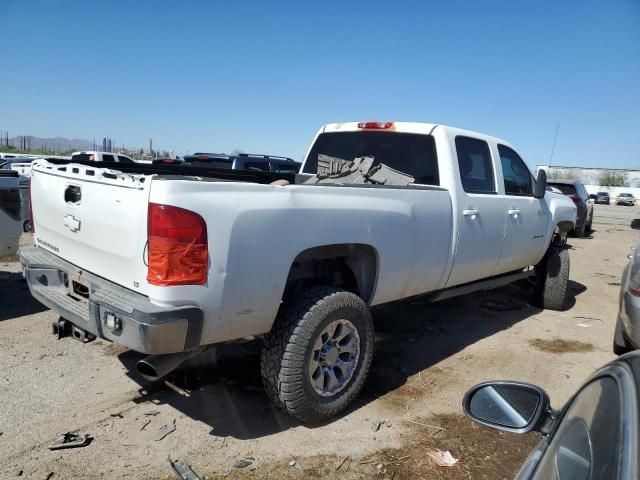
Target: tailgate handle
(72, 194)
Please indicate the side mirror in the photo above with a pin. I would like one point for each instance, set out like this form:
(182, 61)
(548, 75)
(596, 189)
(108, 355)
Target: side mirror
(510, 406)
(593, 196)
(541, 184)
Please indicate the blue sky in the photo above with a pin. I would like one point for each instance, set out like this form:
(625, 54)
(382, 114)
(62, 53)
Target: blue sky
(264, 76)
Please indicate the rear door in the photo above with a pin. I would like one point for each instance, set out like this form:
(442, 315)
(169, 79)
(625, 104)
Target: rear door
(481, 218)
(526, 216)
(94, 219)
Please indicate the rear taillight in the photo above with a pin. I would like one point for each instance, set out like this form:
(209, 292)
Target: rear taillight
(178, 252)
(33, 224)
(634, 274)
(375, 125)
(575, 198)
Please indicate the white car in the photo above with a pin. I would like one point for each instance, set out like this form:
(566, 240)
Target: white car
(169, 263)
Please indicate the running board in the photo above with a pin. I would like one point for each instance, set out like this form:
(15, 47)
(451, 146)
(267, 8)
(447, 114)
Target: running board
(488, 284)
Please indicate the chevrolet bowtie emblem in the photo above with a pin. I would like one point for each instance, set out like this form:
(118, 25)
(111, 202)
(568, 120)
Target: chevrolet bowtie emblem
(71, 223)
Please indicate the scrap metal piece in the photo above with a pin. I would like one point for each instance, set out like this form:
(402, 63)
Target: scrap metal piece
(71, 440)
(183, 471)
(165, 430)
(384, 175)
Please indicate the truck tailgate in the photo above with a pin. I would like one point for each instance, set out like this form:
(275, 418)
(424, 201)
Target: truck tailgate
(95, 219)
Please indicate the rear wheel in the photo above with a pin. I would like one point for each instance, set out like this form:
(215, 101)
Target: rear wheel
(552, 277)
(317, 356)
(589, 227)
(580, 231)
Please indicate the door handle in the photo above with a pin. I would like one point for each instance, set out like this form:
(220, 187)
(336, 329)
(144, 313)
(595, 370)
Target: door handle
(513, 211)
(470, 212)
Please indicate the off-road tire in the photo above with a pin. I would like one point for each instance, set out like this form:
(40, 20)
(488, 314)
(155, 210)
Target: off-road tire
(620, 343)
(288, 347)
(552, 276)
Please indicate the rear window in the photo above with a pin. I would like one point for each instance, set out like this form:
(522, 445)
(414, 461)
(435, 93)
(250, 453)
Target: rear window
(82, 157)
(566, 188)
(108, 158)
(410, 153)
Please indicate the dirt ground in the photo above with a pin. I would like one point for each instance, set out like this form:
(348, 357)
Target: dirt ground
(427, 356)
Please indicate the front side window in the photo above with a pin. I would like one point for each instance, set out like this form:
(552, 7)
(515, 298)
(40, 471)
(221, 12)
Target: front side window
(517, 177)
(123, 159)
(476, 168)
(410, 153)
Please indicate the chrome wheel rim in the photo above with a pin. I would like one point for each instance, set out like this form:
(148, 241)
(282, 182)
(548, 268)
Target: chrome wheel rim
(334, 357)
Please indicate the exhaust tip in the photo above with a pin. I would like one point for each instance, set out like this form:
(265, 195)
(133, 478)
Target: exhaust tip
(147, 370)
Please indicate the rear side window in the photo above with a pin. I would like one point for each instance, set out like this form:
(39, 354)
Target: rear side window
(476, 168)
(82, 157)
(285, 167)
(108, 158)
(517, 177)
(566, 188)
(124, 159)
(410, 153)
(262, 166)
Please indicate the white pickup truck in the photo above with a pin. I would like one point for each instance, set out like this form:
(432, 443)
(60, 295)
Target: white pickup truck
(169, 262)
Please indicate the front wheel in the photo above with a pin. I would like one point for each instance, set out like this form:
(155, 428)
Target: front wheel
(552, 277)
(317, 356)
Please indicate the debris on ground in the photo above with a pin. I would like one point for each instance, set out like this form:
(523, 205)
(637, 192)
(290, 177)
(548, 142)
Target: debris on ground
(71, 440)
(244, 463)
(151, 413)
(375, 425)
(145, 425)
(442, 459)
(295, 464)
(177, 389)
(183, 471)
(347, 457)
(165, 430)
(116, 415)
(49, 475)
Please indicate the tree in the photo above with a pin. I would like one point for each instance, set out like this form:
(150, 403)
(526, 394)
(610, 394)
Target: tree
(561, 174)
(612, 179)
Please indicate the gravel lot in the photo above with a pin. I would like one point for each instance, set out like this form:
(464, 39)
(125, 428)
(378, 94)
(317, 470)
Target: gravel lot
(427, 356)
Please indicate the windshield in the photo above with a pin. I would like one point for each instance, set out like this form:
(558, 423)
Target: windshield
(410, 153)
(82, 157)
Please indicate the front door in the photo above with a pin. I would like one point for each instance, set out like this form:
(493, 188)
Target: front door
(481, 215)
(526, 217)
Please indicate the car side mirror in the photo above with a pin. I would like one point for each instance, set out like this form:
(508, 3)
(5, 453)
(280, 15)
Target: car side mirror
(593, 197)
(509, 406)
(541, 184)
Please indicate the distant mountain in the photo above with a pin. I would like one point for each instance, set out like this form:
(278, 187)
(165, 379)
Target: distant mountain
(57, 144)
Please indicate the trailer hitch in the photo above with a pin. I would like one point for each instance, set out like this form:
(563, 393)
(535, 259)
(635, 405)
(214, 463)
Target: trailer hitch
(64, 328)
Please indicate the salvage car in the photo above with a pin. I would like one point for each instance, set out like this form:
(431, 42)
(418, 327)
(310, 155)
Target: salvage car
(578, 194)
(627, 332)
(626, 199)
(602, 198)
(244, 161)
(168, 260)
(596, 435)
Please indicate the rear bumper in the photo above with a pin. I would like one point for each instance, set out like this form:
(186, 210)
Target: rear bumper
(144, 327)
